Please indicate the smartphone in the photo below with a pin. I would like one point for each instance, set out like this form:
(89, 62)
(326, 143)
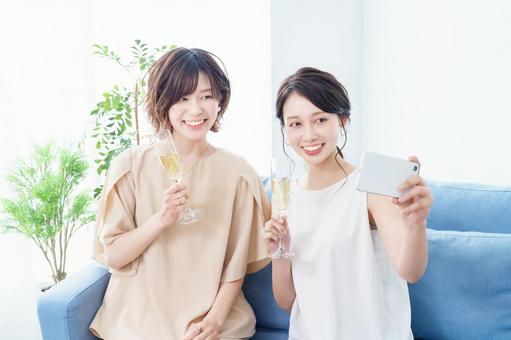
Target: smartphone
(382, 174)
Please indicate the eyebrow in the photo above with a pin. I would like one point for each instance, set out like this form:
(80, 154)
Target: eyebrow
(206, 90)
(315, 113)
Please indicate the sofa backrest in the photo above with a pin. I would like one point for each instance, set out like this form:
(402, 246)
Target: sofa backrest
(465, 293)
(470, 207)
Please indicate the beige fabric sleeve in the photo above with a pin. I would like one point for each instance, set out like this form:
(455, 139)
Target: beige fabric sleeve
(246, 251)
(116, 210)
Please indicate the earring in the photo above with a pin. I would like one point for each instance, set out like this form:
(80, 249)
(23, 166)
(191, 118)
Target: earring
(287, 141)
(342, 131)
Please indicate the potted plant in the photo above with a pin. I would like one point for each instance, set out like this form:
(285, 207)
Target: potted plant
(46, 205)
(116, 116)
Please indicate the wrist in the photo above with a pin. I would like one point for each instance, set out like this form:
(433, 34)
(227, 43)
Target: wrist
(415, 227)
(158, 221)
(214, 321)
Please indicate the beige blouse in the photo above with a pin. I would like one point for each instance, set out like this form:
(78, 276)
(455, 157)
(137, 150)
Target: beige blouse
(174, 282)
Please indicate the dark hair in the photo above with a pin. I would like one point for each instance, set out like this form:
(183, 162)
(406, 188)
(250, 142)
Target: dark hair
(322, 89)
(175, 75)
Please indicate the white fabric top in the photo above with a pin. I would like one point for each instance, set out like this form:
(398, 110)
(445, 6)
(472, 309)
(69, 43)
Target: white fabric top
(346, 288)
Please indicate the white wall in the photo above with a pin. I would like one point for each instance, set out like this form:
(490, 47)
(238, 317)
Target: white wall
(51, 81)
(436, 84)
(428, 78)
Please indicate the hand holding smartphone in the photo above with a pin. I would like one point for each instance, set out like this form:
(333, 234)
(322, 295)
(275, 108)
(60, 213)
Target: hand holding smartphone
(382, 174)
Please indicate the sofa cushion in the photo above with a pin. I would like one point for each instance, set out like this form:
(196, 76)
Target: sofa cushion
(258, 291)
(270, 334)
(466, 290)
(470, 207)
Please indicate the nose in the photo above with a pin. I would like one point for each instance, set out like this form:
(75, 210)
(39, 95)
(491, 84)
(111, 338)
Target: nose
(309, 134)
(195, 108)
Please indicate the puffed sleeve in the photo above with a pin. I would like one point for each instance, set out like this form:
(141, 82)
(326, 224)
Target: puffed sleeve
(116, 210)
(246, 251)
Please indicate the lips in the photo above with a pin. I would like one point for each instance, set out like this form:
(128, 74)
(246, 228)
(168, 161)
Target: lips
(312, 150)
(194, 124)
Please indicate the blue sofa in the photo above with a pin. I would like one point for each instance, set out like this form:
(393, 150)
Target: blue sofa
(464, 294)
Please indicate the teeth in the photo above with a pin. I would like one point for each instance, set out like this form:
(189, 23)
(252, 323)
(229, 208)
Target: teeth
(194, 122)
(312, 148)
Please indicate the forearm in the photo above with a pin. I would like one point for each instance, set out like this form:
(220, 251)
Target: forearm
(227, 295)
(282, 282)
(128, 246)
(413, 256)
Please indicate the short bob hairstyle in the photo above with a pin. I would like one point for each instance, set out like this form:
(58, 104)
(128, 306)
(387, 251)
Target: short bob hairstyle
(175, 75)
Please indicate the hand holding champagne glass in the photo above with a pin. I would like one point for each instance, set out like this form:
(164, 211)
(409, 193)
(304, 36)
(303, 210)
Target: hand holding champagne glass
(281, 190)
(169, 159)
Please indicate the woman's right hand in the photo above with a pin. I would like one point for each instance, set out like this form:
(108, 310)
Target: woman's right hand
(272, 229)
(173, 203)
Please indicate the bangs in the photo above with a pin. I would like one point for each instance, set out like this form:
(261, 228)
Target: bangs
(183, 80)
(176, 75)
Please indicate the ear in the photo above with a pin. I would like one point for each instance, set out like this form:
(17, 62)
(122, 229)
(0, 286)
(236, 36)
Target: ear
(219, 109)
(343, 121)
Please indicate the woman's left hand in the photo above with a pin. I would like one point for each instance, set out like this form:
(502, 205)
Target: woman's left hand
(416, 200)
(203, 330)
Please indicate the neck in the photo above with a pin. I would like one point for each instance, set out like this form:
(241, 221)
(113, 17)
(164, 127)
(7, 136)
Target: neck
(190, 151)
(326, 173)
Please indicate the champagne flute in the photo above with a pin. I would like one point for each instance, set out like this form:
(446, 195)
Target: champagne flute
(169, 159)
(280, 192)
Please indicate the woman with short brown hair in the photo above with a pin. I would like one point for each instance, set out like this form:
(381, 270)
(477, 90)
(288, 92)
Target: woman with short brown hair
(170, 280)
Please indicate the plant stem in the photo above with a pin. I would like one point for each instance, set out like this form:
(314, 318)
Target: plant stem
(136, 113)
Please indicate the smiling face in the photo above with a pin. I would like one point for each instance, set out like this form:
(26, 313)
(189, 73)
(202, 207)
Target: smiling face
(187, 91)
(311, 132)
(193, 115)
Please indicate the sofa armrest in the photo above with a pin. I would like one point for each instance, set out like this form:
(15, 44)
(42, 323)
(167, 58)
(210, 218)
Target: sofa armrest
(66, 310)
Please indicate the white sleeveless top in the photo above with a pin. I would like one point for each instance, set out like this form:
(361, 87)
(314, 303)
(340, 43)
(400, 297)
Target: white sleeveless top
(346, 287)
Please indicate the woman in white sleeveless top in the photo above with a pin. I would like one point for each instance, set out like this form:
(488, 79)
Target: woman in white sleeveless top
(353, 252)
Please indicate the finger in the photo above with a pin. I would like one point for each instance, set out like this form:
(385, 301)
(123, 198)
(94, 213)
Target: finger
(416, 192)
(403, 205)
(190, 332)
(410, 182)
(175, 188)
(274, 226)
(280, 229)
(278, 219)
(174, 195)
(271, 236)
(176, 200)
(414, 159)
(171, 194)
(202, 331)
(414, 207)
(174, 203)
(196, 332)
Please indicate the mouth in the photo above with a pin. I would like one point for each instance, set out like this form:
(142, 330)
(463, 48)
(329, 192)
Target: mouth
(312, 150)
(194, 124)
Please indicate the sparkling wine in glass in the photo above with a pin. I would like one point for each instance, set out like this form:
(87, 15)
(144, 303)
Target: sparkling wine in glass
(169, 159)
(280, 193)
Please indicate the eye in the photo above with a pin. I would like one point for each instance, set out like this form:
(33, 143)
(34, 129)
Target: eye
(207, 97)
(295, 124)
(183, 99)
(321, 120)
